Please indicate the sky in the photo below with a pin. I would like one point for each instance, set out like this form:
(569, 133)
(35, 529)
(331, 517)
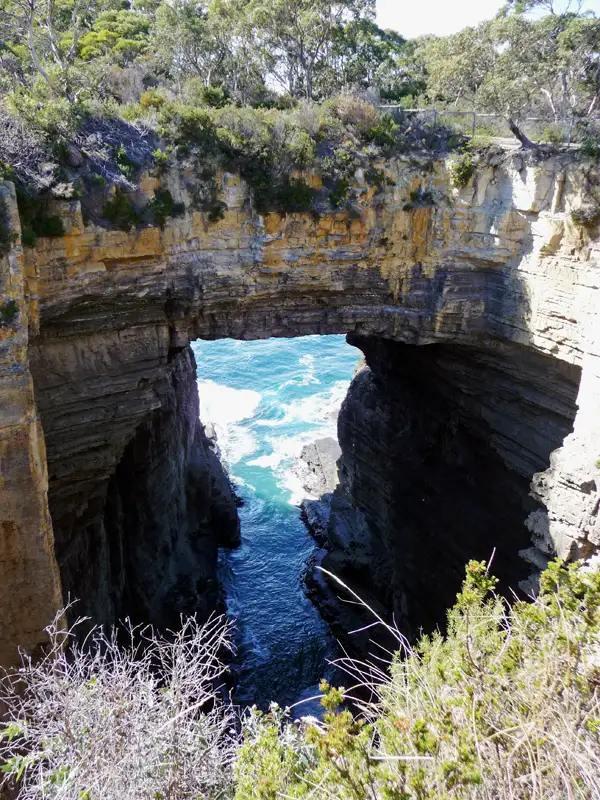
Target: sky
(441, 17)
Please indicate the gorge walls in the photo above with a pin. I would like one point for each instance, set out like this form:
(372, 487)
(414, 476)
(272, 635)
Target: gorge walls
(439, 446)
(141, 541)
(477, 308)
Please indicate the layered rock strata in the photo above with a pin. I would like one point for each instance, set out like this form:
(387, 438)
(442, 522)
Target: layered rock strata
(496, 263)
(30, 592)
(439, 447)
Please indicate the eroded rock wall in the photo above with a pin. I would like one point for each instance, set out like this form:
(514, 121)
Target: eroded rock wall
(143, 541)
(29, 579)
(439, 446)
(497, 262)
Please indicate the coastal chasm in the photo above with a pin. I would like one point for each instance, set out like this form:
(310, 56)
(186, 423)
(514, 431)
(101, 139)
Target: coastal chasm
(474, 425)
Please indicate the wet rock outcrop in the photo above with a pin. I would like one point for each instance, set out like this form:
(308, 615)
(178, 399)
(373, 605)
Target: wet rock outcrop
(493, 272)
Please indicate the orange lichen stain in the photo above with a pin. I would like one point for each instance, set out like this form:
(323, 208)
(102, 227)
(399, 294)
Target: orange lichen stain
(272, 223)
(148, 185)
(420, 224)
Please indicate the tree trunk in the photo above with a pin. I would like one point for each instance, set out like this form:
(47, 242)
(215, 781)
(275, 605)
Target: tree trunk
(517, 133)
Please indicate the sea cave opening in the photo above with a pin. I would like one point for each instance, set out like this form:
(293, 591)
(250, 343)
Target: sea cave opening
(439, 445)
(263, 402)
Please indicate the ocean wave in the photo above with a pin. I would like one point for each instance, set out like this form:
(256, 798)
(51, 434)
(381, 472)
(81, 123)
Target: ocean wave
(319, 409)
(225, 407)
(291, 473)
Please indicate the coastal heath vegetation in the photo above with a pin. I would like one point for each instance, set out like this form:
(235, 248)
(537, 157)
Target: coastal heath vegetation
(96, 90)
(505, 703)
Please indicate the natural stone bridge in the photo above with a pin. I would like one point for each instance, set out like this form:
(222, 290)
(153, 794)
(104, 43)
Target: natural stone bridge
(495, 276)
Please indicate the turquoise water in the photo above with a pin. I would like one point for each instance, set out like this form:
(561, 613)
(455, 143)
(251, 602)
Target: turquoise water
(266, 399)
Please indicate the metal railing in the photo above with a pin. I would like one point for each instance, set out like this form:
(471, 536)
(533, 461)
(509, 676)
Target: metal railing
(570, 130)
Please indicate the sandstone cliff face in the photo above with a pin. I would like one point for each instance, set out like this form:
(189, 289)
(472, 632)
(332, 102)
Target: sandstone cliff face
(497, 263)
(29, 579)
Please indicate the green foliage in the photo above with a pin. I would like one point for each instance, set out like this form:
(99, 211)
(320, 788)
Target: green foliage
(126, 166)
(121, 212)
(384, 133)
(7, 235)
(462, 170)
(591, 147)
(28, 236)
(163, 206)
(152, 98)
(217, 211)
(36, 221)
(586, 216)
(215, 96)
(294, 195)
(9, 311)
(505, 705)
(161, 159)
(340, 192)
(58, 118)
(553, 134)
(48, 226)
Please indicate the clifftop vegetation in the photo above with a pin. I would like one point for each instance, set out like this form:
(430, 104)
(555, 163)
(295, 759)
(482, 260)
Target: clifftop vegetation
(68, 68)
(507, 704)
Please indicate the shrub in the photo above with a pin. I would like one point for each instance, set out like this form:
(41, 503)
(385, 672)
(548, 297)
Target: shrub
(586, 216)
(28, 236)
(462, 170)
(56, 117)
(35, 219)
(142, 720)
(385, 133)
(151, 98)
(7, 235)
(161, 159)
(507, 704)
(126, 166)
(9, 311)
(591, 146)
(48, 225)
(339, 194)
(217, 211)
(215, 96)
(163, 206)
(363, 117)
(293, 196)
(121, 212)
(553, 134)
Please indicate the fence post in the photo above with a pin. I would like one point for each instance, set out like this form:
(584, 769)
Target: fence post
(474, 123)
(434, 117)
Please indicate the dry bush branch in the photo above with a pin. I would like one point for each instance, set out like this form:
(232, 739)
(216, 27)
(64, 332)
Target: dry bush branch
(114, 721)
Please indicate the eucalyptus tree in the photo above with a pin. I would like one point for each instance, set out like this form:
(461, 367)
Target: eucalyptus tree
(297, 39)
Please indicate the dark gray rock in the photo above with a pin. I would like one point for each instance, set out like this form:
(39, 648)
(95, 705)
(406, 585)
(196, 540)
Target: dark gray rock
(439, 445)
(145, 545)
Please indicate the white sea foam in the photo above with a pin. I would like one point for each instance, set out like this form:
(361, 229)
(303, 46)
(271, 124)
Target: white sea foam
(225, 407)
(284, 461)
(319, 409)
